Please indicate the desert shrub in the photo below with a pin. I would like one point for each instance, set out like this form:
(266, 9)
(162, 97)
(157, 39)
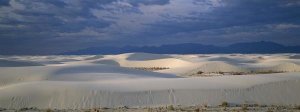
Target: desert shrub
(297, 107)
(170, 107)
(237, 73)
(182, 109)
(160, 108)
(24, 109)
(151, 109)
(224, 104)
(2, 109)
(123, 107)
(225, 109)
(205, 105)
(244, 107)
(49, 110)
(197, 110)
(150, 68)
(263, 105)
(105, 108)
(126, 107)
(260, 57)
(95, 110)
(200, 72)
(33, 108)
(269, 72)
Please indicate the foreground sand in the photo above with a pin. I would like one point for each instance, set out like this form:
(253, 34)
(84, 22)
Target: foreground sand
(88, 82)
(238, 108)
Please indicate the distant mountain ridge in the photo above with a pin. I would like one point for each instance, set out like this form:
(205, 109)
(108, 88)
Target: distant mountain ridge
(193, 48)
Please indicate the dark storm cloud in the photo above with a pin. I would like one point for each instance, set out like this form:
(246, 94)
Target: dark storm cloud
(238, 13)
(148, 2)
(44, 26)
(4, 3)
(235, 13)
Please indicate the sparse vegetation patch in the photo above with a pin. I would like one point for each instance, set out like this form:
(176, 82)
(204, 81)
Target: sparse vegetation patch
(150, 68)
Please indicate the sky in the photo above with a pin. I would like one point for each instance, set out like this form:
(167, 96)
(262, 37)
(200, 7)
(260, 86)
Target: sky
(55, 26)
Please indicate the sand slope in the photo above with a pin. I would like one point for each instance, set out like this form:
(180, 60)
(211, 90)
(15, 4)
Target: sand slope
(266, 89)
(11, 75)
(219, 67)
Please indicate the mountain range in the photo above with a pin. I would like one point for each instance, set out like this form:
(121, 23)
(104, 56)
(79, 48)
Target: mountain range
(193, 48)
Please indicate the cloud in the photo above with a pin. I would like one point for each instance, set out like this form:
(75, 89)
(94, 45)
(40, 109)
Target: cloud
(147, 2)
(4, 3)
(291, 3)
(82, 23)
(151, 20)
(285, 26)
(85, 34)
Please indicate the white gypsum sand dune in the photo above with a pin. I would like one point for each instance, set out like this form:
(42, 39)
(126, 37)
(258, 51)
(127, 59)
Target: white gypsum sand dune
(266, 89)
(81, 82)
(10, 75)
